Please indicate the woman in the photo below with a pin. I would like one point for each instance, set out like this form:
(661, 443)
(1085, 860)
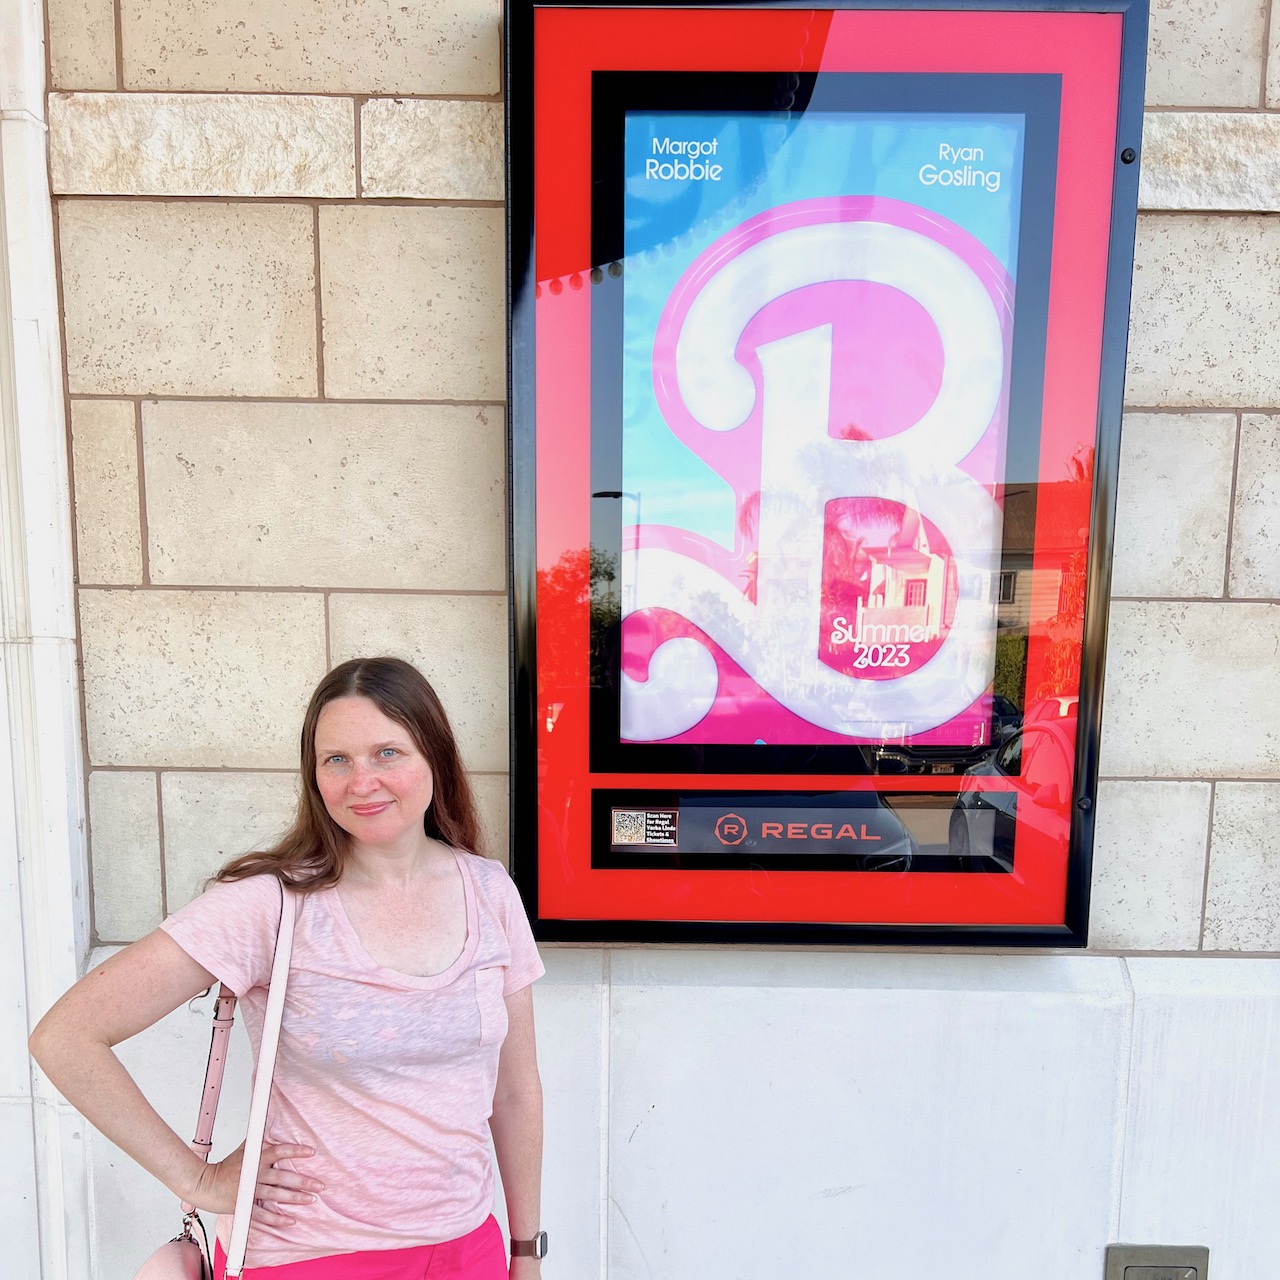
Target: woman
(407, 1035)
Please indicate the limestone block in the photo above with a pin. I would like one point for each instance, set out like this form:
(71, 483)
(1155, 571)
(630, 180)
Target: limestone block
(108, 519)
(1273, 67)
(413, 303)
(1205, 320)
(361, 46)
(490, 791)
(124, 832)
(1191, 690)
(201, 144)
(431, 150)
(198, 678)
(1173, 504)
(1242, 911)
(1148, 865)
(1205, 53)
(1210, 160)
(82, 44)
(1255, 540)
(346, 496)
(188, 299)
(458, 642)
(210, 818)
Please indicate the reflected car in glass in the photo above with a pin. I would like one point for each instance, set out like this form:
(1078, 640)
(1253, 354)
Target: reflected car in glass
(1037, 760)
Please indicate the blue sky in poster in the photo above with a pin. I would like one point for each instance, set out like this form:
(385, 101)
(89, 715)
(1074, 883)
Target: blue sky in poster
(767, 161)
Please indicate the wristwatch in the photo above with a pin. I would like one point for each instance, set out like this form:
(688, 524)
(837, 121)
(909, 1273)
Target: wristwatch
(535, 1248)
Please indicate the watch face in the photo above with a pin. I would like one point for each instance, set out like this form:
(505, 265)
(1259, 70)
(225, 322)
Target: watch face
(540, 1245)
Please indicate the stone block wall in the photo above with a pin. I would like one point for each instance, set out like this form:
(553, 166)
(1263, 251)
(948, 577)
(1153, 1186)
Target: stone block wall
(280, 234)
(280, 230)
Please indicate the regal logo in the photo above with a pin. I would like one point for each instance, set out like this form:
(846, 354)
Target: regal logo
(731, 829)
(859, 592)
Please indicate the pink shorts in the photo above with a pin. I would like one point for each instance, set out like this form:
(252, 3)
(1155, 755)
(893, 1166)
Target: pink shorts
(479, 1255)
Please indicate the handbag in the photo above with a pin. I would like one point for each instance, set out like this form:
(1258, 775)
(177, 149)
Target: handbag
(185, 1257)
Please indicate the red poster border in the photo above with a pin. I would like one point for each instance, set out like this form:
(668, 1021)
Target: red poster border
(1085, 49)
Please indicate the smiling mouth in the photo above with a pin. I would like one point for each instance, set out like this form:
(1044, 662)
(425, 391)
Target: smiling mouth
(367, 810)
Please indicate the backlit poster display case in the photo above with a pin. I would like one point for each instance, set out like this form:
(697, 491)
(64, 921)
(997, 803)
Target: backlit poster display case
(817, 343)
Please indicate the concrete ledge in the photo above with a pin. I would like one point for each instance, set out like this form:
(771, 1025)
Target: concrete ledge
(855, 1101)
(1202, 1135)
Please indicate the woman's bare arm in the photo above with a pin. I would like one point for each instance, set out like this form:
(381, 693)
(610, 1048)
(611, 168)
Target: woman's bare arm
(517, 1126)
(73, 1044)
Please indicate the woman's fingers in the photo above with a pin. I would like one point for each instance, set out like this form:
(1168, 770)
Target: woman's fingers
(282, 1195)
(285, 1151)
(273, 1177)
(264, 1213)
(276, 1178)
(285, 1187)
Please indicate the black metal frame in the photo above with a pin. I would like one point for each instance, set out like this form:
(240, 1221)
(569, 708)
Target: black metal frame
(521, 477)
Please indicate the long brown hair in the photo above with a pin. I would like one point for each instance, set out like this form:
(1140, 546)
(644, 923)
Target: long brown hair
(311, 853)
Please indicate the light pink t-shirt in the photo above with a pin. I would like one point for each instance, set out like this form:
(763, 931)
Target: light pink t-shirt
(389, 1077)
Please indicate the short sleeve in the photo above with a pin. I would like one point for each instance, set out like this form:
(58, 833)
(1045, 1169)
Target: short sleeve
(526, 965)
(231, 929)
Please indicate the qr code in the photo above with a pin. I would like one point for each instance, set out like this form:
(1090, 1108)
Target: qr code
(628, 827)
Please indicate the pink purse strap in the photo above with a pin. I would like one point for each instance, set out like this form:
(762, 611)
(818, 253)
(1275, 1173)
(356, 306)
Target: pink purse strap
(223, 1019)
(224, 1016)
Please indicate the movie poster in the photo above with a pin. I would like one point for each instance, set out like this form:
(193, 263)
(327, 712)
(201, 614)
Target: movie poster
(817, 347)
(818, 317)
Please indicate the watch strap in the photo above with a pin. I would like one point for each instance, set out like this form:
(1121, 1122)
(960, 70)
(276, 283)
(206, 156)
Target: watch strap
(535, 1248)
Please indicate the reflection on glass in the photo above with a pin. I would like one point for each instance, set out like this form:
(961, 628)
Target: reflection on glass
(848, 333)
(827, 533)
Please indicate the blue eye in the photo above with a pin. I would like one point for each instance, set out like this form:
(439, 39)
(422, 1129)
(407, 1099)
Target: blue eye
(335, 759)
(388, 752)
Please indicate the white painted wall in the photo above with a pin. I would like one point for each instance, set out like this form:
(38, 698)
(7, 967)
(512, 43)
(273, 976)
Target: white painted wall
(44, 919)
(753, 1115)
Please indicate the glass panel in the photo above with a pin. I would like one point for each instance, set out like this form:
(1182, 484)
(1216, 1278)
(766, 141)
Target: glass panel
(813, 484)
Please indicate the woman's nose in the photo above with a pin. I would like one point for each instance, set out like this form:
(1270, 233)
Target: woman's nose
(363, 779)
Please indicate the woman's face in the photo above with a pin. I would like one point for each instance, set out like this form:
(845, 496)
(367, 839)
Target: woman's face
(375, 782)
